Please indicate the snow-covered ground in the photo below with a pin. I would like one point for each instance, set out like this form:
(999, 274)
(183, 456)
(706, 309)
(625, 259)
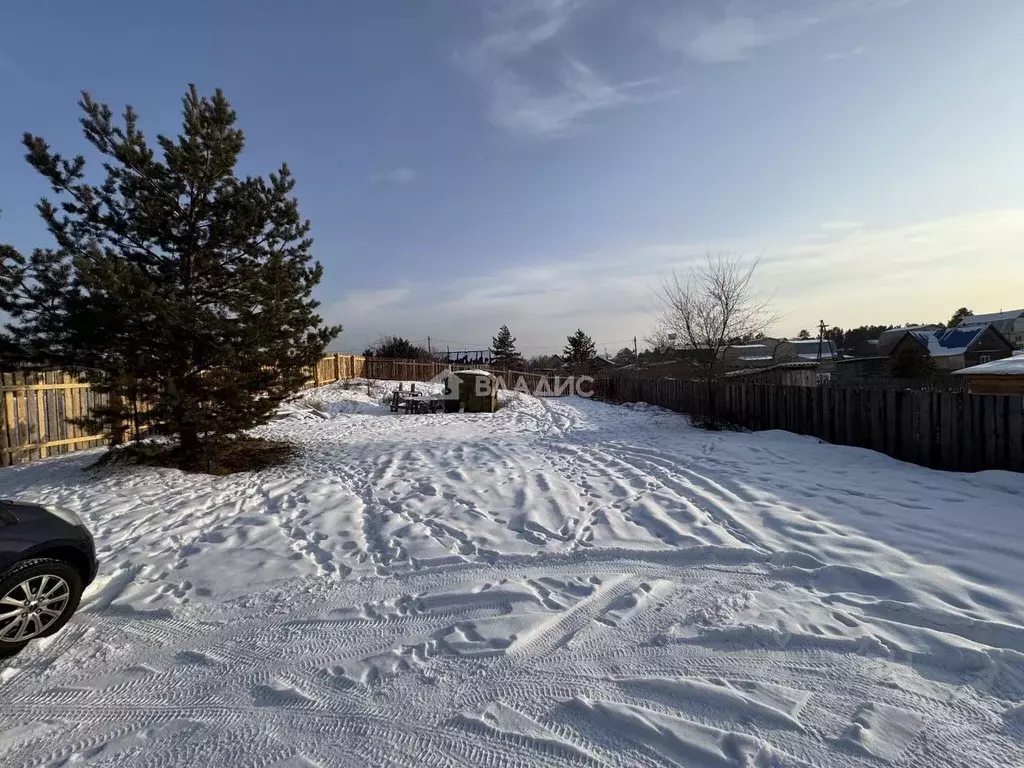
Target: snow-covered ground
(564, 582)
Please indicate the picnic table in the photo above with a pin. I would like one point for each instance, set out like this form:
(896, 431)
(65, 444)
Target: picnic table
(417, 402)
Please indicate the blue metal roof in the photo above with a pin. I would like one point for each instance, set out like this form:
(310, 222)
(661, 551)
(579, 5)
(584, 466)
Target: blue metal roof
(949, 341)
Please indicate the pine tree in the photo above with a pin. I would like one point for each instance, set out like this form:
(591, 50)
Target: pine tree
(580, 351)
(623, 357)
(912, 362)
(504, 356)
(174, 281)
(959, 316)
(804, 334)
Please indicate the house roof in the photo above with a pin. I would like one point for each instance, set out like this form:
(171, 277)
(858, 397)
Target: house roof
(778, 366)
(891, 336)
(1008, 366)
(807, 349)
(848, 360)
(994, 317)
(951, 341)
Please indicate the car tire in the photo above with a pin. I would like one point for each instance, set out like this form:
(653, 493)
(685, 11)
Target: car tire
(34, 573)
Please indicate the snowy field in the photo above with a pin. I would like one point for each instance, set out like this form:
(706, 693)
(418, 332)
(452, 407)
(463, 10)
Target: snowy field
(562, 583)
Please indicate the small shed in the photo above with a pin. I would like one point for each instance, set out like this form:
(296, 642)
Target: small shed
(477, 390)
(792, 374)
(999, 377)
(874, 366)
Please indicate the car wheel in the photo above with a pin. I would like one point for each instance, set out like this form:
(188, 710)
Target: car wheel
(37, 598)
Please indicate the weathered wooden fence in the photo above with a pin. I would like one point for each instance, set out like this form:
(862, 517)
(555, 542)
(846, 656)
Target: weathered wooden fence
(943, 430)
(337, 368)
(941, 383)
(34, 413)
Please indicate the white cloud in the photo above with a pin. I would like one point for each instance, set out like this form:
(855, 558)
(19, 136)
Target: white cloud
(833, 226)
(362, 303)
(734, 29)
(860, 50)
(846, 276)
(398, 176)
(533, 86)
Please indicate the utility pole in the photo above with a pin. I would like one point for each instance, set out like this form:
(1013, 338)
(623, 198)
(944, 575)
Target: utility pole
(821, 338)
(636, 362)
(429, 350)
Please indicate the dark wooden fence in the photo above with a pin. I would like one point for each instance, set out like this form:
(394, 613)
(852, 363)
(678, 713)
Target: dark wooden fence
(944, 383)
(942, 430)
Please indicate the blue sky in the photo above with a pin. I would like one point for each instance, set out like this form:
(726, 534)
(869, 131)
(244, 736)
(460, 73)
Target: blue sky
(468, 163)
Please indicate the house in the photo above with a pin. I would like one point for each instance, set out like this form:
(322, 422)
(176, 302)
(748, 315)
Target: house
(955, 348)
(874, 366)
(1010, 324)
(754, 354)
(794, 374)
(998, 377)
(807, 351)
(867, 348)
(893, 336)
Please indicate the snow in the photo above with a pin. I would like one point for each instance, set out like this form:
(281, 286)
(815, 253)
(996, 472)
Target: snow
(945, 342)
(563, 582)
(1009, 366)
(995, 317)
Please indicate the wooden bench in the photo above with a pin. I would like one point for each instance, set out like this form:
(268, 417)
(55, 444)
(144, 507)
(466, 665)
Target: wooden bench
(416, 402)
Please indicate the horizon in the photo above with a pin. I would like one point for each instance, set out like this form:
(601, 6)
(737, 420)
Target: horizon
(543, 163)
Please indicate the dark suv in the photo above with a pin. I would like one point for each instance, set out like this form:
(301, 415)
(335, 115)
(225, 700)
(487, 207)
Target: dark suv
(47, 558)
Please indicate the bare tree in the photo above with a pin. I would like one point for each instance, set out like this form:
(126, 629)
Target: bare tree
(716, 302)
(658, 341)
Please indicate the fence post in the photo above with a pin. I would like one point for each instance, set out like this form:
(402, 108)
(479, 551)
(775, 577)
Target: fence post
(5, 457)
(40, 396)
(337, 367)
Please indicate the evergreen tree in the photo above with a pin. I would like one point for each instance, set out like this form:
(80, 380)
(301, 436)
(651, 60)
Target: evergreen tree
(623, 357)
(804, 334)
(545, 363)
(504, 356)
(912, 363)
(959, 316)
(580, 351)
(174, 280)
(396, 348)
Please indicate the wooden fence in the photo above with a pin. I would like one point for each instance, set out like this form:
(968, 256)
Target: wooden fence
(35, 407)
(34, 413)
(941, 383)
(337, 368)
(943, 430)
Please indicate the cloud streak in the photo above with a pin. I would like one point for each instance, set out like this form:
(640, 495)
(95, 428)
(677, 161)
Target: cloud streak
(399, 177)
(534, 87)
(733, 30)
(845, 275)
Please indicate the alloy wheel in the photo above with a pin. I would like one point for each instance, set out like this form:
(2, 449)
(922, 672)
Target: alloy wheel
(32, 607)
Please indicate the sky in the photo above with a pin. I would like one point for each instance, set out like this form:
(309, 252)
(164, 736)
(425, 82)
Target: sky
(544, 163)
